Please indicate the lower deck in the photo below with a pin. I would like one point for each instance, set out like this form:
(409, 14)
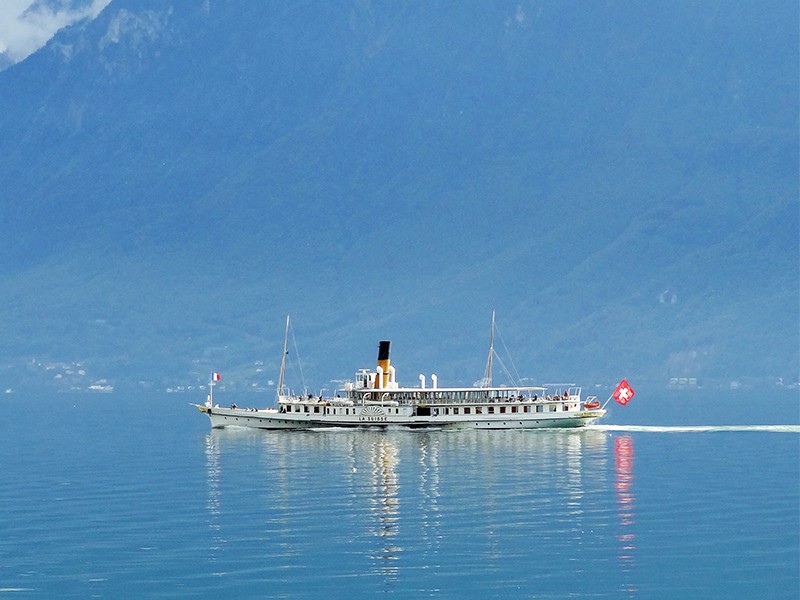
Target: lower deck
(312, 415)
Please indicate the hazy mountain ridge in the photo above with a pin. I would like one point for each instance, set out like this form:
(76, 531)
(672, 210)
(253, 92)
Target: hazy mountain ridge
(180, 176)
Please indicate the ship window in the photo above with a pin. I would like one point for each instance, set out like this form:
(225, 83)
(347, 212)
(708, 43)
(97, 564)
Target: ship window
(539, 408)
(466, 410)
(513, 409)
(478, 410)
(491, 410)
(455, 411)
(316, 409)
(502, 409)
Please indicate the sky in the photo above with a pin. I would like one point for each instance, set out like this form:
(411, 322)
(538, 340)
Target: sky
(27, 25)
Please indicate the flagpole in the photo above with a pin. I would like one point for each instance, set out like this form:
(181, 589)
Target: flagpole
(606, 402)
(211, 390)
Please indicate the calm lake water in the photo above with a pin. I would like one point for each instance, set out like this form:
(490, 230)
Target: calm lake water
(677, 495)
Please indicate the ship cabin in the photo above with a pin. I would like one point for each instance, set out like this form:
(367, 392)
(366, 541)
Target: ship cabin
(378, 388)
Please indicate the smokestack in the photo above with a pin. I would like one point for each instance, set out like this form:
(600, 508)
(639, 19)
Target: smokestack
(383, 363)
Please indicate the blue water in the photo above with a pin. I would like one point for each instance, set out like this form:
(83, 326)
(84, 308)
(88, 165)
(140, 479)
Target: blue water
(109, 496)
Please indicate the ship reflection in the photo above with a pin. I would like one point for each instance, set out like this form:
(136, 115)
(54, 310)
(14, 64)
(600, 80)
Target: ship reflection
(384, 504)
(214, 495)
(623, 463)
(402, 495)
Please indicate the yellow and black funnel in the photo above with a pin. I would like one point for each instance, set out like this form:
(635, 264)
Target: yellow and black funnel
(382, 380)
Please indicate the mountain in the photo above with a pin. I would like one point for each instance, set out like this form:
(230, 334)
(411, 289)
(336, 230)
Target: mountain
(619, 181)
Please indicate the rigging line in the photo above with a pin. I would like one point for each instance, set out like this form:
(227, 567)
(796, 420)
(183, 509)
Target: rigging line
(505, 370)
(515, 377)
(299, 364)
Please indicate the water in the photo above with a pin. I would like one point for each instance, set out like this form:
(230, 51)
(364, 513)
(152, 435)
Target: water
(679, 495)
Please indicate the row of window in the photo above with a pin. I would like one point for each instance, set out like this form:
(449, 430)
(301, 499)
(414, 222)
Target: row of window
(471, 395)
(491, 410)
(445, 410)
(331, 410)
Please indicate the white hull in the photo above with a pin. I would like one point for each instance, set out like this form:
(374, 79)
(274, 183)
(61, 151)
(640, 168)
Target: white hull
(369, 417)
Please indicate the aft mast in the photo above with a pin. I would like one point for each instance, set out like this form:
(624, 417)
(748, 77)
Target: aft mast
(487, 380)
(283, 360)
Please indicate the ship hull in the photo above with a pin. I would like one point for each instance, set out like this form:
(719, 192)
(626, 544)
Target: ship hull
(274, 419)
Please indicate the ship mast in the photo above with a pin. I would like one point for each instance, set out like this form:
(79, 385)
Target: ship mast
(487, 380)
(283, 360)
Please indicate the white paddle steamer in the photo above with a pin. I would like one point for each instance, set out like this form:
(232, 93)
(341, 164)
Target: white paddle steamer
(375, 399)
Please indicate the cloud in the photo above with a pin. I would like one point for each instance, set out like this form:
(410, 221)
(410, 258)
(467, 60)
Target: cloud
(27, 25)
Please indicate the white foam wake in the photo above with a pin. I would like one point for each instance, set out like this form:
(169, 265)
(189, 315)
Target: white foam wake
(698, 428)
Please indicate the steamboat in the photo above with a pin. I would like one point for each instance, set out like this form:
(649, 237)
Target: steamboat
(375, 399)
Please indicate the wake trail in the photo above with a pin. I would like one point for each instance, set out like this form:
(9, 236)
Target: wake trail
(697, 428)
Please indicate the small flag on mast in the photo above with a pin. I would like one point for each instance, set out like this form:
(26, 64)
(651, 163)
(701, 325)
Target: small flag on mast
(215, 377)
(623, 393)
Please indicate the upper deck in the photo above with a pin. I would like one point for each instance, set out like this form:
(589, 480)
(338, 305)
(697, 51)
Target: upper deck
(460, 395)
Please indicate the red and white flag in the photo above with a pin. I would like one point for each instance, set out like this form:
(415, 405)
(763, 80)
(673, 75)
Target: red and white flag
(215, 377)
(623, 393)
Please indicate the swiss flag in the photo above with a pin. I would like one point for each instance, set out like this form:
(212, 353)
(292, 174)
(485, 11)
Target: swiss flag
(623, 393)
